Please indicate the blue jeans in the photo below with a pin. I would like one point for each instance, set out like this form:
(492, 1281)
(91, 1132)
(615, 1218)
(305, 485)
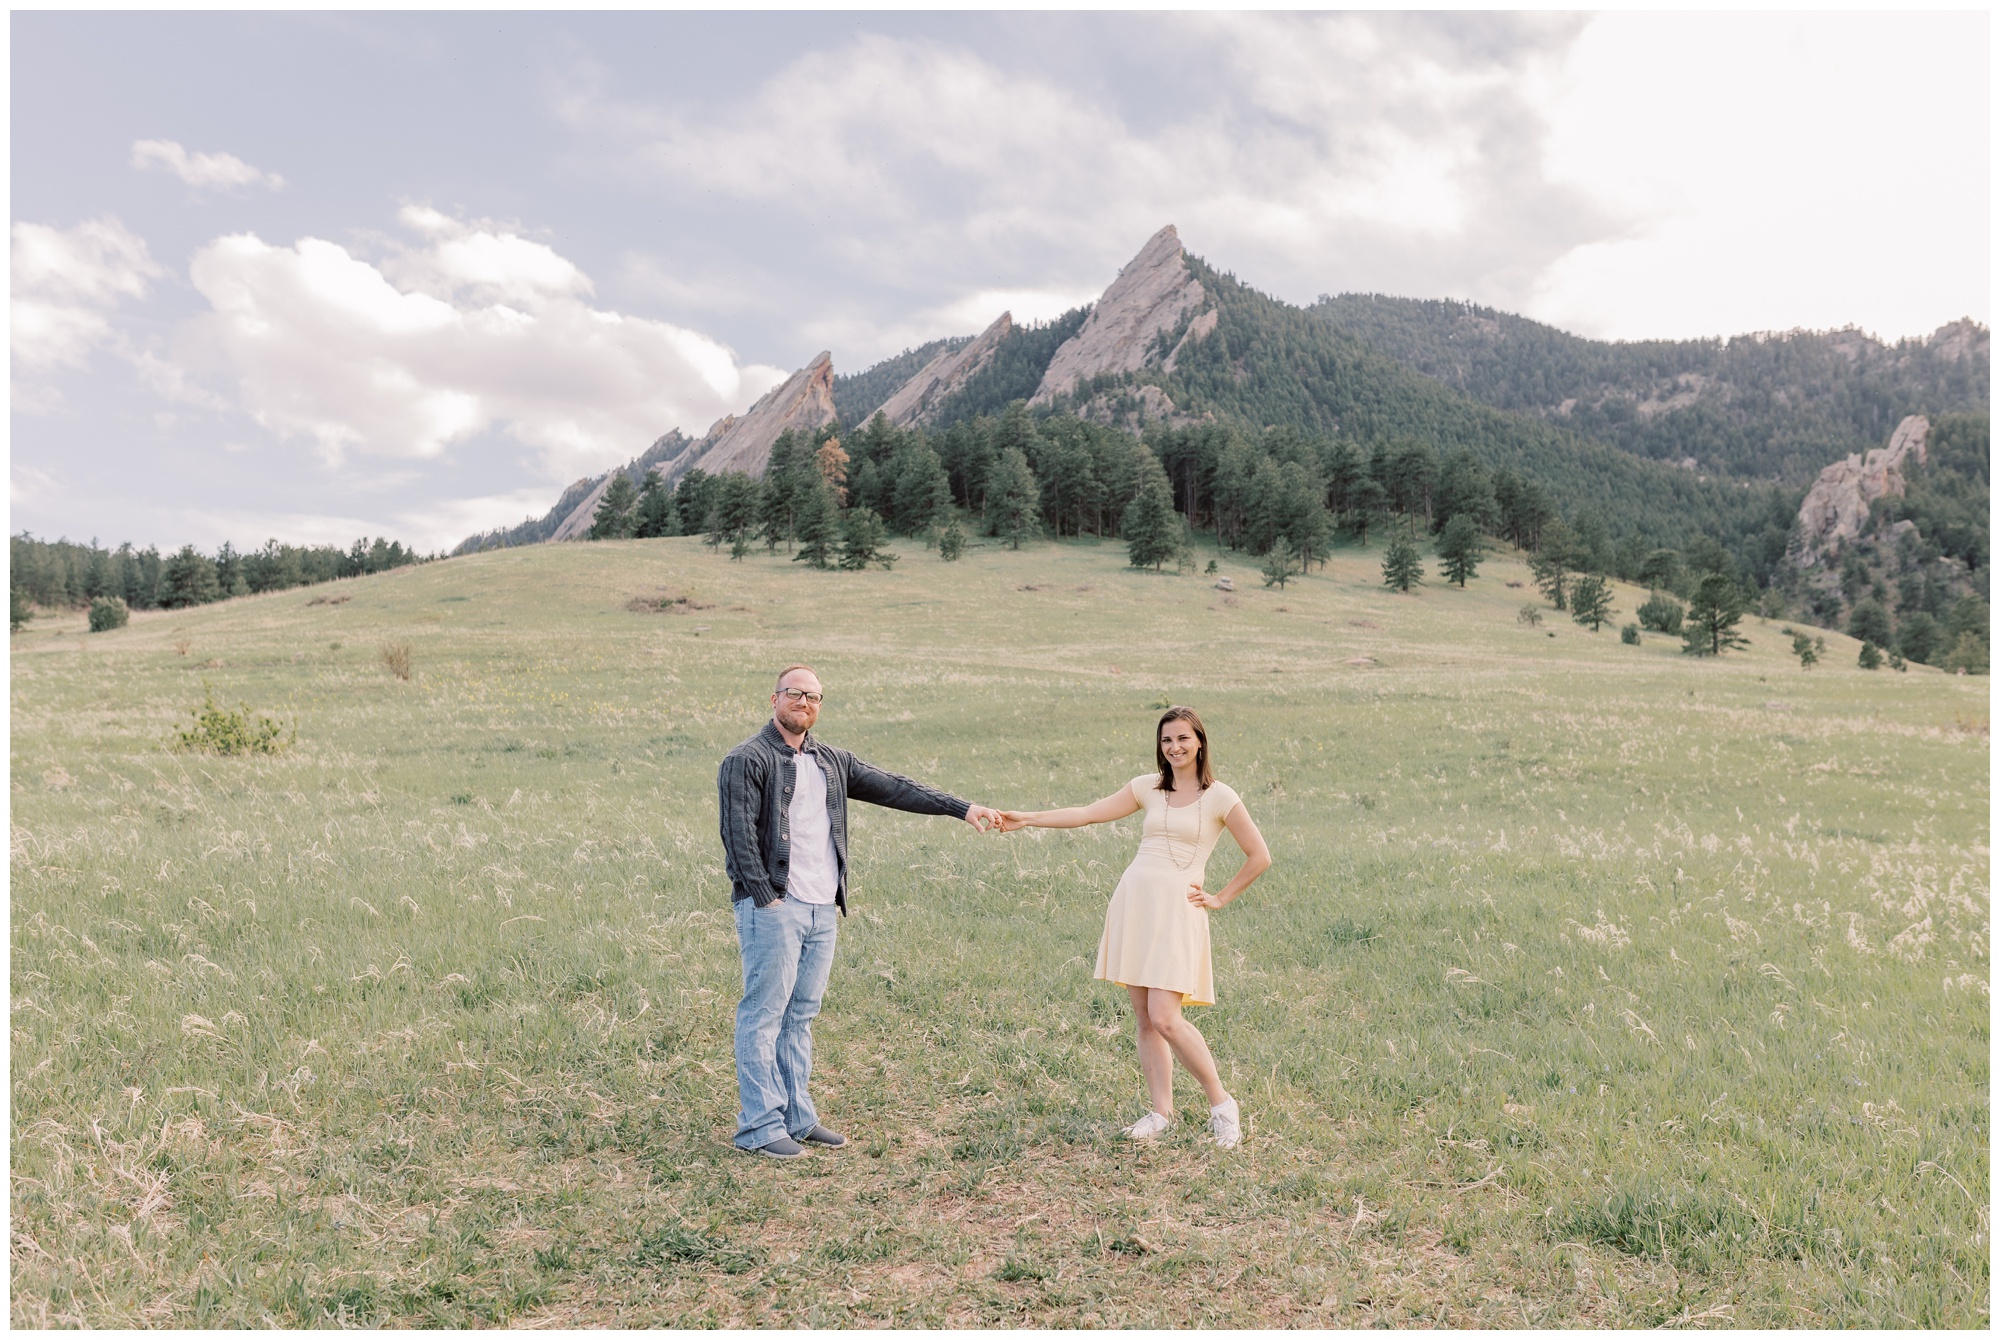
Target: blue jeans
(787, 956)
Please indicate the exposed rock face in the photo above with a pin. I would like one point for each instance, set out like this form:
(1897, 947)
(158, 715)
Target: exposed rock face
(1964, 340)
(803, 402)
(916, 401)
(1198, 330)
(1150, 295)
(1836, 508)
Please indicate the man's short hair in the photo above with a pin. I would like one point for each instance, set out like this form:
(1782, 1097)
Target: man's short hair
(787, 670)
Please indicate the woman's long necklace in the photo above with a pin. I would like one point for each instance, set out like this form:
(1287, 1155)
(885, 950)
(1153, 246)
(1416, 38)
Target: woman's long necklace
(1167, 830)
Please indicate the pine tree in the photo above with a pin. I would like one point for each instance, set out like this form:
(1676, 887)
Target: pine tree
(1661, 567)
(1871, 657)
(1803, 648)
(1013, 499)
(815, 522)
(691, 502)
(187, 579)
(861, 541)
(1278, 563)
(654, 516)
(1401, 568)
(1553, 561)
(1869, 622)
(1150, 525)
(1712, 616)
(922, 492)
(614, 516)
(951, 539)
(1460, 547)
(1590, 601)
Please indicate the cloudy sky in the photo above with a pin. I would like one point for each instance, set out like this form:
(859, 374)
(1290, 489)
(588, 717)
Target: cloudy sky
(314, 276)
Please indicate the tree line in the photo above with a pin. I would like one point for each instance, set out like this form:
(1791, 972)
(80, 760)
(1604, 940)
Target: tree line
(63, 574)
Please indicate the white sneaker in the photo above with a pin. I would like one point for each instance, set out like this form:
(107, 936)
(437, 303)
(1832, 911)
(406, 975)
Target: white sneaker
(1225, 1123)
(1148, 1126)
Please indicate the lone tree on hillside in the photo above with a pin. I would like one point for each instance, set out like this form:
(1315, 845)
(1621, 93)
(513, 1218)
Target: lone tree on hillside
(1590, 601)
(1807, 649)
(1553, 562)
(1401, 569)
(951, 540)
(1152, 527)
(1871, 657)
(862, 541)
(1712, 616)
(614, 516)
(1459, 548)
(1278, 563)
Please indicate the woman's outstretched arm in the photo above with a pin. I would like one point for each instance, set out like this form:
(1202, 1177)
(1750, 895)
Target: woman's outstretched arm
(1256, 860)
(1114, 806)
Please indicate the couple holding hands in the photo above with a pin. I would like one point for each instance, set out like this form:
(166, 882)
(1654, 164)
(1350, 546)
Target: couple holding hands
(784, 795)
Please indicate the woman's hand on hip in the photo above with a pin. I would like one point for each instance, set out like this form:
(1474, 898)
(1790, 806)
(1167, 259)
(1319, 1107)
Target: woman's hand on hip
(1201, 899)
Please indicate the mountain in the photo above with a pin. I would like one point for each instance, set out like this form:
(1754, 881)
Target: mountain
(803, 401)
(913, 402)
(1769, 406)
(857, 394)
(1149, 297)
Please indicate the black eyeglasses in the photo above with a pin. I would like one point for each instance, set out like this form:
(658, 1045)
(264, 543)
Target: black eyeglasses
(802, 696)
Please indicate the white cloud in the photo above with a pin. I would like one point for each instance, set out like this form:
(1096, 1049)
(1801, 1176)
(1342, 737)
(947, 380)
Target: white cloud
(208, 171)
(1322, 151)
(476, 328)
(65, 284)
(1807, 185)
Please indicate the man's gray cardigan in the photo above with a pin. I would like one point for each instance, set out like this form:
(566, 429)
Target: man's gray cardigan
(755, 785)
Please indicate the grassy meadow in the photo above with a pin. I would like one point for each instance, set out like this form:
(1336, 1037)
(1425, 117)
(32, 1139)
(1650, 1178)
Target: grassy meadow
(1593, 986)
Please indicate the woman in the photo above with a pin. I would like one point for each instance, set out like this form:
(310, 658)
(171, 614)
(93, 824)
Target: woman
(1155, 942)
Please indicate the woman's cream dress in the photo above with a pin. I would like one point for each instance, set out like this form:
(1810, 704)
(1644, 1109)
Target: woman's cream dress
(1153, 936)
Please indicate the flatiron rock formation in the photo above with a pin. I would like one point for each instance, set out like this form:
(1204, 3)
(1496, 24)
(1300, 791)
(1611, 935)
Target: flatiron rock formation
(916, 401)
(1836, 507)
(1150, 295)
(803, 402)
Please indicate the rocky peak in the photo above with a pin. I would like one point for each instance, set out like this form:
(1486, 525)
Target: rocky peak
(1836, 507)
(916, 401)
(1150, 295)
(804, 402)
(1964, 340)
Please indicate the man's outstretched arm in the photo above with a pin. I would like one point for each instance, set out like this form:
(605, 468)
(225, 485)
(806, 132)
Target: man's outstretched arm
(879, 786)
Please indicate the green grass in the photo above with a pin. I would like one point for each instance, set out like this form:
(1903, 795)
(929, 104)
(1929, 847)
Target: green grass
(1593, 985)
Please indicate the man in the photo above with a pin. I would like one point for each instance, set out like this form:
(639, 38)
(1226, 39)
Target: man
(784, 800)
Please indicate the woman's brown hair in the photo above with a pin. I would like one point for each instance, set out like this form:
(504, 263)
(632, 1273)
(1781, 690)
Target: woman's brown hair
(1201, 772)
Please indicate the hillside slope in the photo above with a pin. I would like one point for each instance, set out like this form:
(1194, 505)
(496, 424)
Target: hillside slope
(1771, 406)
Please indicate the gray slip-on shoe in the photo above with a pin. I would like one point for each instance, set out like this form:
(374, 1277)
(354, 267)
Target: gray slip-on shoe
(820, 1135)
(784, 1147)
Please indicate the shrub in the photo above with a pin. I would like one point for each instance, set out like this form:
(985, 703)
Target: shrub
(1807, 649)
(396, 655)
(217, 730)
(1968, 655)
(1530, 615)
(1662, 614)
(1629, 635)
(1871, 657)
(107, 613)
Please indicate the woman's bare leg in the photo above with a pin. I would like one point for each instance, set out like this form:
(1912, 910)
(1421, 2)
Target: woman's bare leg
(1163, 1009)
(1156, 1061)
